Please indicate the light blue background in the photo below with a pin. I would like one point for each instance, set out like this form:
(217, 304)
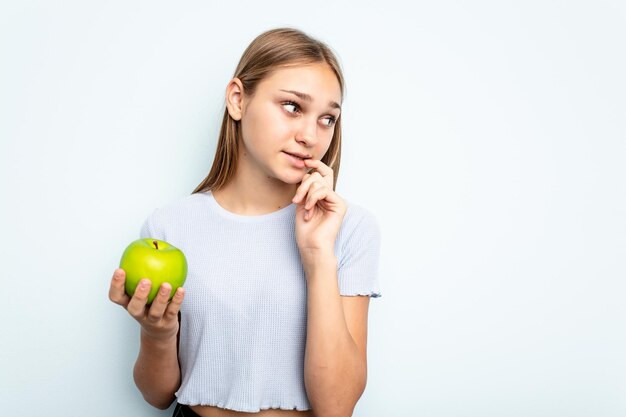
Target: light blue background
(488, 137)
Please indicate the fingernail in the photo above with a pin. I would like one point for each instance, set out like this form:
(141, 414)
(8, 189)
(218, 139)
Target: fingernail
(165, 290)
(144, 283)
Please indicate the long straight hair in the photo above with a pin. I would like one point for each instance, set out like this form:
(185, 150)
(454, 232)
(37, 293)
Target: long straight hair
(269, 51)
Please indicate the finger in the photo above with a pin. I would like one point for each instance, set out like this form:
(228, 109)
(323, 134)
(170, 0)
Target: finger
(305, 177)
(316, 192)
(117, 294)
(305, 185)
(296, 196)
(137, 305)
(155, 313)
(319, 166)
(173, 307)
(326, 199)
(313, 197)
(322, 168)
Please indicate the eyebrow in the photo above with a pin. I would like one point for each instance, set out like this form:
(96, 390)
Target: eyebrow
(308, 98)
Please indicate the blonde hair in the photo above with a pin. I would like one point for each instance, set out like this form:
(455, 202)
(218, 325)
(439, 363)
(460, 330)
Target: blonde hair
(270, 50)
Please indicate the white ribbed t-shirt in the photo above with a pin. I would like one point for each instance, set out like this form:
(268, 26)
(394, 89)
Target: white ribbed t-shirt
(243, 320)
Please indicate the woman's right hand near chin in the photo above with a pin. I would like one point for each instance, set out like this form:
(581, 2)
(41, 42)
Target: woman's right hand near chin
(159, 321)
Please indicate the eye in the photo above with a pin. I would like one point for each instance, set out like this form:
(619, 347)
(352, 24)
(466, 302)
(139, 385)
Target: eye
(331, 121)
(294, 105)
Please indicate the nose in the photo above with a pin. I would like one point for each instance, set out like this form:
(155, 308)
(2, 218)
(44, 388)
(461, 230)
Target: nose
(307, 132)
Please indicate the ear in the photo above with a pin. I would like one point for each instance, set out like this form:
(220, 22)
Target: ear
(234, 98)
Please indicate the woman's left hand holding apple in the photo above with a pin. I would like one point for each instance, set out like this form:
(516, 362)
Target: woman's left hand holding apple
(157, 371)
(159, 320)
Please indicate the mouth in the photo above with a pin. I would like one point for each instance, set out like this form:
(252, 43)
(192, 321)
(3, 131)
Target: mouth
(296, 161)
(299, 156)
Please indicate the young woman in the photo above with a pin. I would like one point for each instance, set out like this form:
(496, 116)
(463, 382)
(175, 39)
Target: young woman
(281, 268)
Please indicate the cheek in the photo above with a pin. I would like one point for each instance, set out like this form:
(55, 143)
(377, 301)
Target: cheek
(327, 139)
(264, 129)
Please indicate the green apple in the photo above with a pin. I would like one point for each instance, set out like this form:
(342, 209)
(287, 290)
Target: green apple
(155, 260)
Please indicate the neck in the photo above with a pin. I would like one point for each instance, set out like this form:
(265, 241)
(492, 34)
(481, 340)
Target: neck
(255, 194)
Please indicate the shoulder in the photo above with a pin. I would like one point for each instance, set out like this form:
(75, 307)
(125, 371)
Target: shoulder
(358, 221)
(358, 216)
(180, 206)
(177, 211)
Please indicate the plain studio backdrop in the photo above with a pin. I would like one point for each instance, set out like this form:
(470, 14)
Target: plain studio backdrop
(487, 137)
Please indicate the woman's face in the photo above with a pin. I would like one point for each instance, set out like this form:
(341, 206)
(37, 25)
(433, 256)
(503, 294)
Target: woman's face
(292, 111)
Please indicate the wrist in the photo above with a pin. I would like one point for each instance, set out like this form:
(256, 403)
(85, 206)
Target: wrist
(159, 341)
(315, 259)
(317, 253)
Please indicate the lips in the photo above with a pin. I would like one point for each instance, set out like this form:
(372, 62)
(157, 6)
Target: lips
(295, 161)
(298, 155)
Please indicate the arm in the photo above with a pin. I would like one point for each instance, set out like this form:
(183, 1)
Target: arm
(335, 364)
(335, 361)
(156, 372)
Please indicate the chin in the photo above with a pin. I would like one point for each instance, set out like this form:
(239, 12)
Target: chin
(294, 180)
(291, 179)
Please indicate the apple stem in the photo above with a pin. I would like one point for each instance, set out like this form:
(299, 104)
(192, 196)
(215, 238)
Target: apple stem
(156, 245)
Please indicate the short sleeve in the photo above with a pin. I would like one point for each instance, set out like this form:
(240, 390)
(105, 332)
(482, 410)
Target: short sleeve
(358, 267)
(148, 229)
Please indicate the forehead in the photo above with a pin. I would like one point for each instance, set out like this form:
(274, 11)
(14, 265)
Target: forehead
(317, 80)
